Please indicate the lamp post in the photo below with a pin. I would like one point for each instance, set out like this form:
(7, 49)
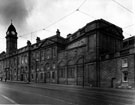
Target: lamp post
(83, 71)
(36, 68)
(6, 69)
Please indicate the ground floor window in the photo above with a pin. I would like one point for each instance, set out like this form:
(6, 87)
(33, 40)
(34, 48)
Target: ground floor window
(32, 76)
(41, 76)
(80, 70)
(125, 76)
(48, 75)
(62, 72)
(71, 72)
(53, 75)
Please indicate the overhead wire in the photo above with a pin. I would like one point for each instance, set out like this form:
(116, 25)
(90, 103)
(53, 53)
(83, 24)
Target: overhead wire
(49, 25)
(66, 15)
(86, 14)
(77, 10)
(128, 26)
(56, 21)
(60, 19)
(81, 4)
(123, 6)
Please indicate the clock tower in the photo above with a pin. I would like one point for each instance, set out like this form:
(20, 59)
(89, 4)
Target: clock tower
(11, 39)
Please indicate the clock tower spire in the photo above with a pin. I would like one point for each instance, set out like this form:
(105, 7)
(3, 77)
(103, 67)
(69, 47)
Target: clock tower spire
(11, 39)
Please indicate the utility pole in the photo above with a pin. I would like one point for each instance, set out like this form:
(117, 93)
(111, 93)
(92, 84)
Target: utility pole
(36, 70)
(29, 61)
(83, 70)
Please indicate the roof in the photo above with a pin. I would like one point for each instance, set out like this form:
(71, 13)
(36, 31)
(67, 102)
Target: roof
(11, 28)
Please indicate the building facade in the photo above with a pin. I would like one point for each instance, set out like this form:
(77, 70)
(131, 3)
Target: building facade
(96, 55)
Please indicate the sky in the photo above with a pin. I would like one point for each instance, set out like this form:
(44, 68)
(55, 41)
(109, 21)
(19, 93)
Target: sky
(42, 18)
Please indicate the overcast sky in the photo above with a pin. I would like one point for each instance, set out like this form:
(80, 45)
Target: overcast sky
(30, 17)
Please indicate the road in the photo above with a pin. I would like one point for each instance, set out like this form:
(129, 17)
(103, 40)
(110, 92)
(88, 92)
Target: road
(16, 93)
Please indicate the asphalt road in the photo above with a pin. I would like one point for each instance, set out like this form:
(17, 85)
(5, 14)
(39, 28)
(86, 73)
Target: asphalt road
(15, 93)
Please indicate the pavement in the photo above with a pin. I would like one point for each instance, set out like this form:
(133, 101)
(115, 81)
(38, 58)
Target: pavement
(75, 87)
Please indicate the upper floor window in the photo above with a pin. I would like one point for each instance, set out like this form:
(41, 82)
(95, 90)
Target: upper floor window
(125, 44)
(54, 52)
(42, 55)
(54, 65)
(37, 55)
(48, 53)
(124, 62)
(26, 59)
(131, 42)
(47, 66)
(22, 60)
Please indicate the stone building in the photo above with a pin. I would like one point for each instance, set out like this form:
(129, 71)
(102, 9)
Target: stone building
(96, 55)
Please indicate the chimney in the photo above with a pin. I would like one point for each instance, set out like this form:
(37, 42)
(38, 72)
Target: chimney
(28, 43)
(38, 39)
(58, 32)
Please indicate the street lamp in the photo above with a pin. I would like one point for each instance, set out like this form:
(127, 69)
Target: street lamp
(36, 68)
(6, 70)
(83, 71)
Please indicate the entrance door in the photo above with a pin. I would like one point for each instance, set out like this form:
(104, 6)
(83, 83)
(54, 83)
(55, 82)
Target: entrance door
(48, 77)
(21, 77)
(45, 77)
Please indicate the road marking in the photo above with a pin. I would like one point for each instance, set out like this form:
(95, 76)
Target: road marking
(9, 99)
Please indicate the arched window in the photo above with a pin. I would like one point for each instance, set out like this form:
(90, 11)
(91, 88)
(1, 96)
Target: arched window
(62, 69)
(71, 69)
(80, 67)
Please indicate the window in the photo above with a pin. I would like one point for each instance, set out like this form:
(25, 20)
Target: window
(37, 55)
(53, 75)
(54, 52)
(71, 71)
(80, 70)
(61, 72)
(125, 76)
(48, 53)
(48, 75)
(41, 76)
(42, 68)
(125, 44)
(131, 42)
(54, 66)
(47, 66)
(124, 62)
(26, 59)
(33, 55)
(42, 55)
(22, 60)
(32, 77)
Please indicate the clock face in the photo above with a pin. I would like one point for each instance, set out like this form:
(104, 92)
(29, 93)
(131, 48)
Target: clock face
(13, 32)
